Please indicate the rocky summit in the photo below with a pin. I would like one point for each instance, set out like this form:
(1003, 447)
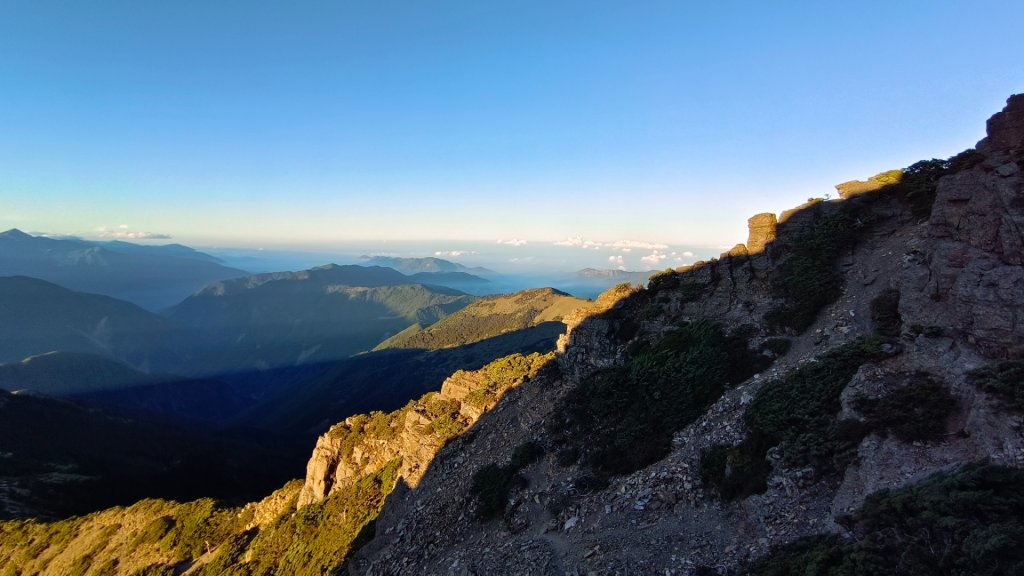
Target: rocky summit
(841, 394)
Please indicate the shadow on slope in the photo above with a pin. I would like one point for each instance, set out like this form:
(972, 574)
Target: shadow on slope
(386, 380)
(59, 458)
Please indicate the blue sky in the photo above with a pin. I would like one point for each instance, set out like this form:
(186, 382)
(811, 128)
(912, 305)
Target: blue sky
(314, 124)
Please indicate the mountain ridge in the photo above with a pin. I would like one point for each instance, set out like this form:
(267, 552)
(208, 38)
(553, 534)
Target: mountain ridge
(149, 276)
(426, 264)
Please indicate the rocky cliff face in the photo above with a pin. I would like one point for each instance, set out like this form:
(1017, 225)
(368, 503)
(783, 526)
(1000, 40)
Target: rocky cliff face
(928, 262)
(364, 444)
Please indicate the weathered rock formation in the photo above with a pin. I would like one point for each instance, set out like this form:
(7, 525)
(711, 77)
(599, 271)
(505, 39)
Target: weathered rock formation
(362, 445)
(761, 231)
(853, 188)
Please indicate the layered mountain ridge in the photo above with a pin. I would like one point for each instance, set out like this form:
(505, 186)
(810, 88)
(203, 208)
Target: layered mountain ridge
(153, 277)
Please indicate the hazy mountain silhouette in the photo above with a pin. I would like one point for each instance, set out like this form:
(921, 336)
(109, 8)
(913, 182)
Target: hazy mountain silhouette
(153, 277)
(429, 264)
(293, 318)
(69, 373)
(37, 317)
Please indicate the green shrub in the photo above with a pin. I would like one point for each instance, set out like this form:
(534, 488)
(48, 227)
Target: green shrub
(733, 472)
(926, 331)
(156, 570)
(154, 531)
(526, 453)
(446, 427)
(777, 346)
(1005, 380)
(653, 311)
(506, 372)
(197, 525)
(713, 465)
(316, 538)
(623, 419)
(229, 554)
(798, 411)
(491, 485)
(384, 425)
(663, 280)
(885, 313)
(966, 522)
(917, 411)
(809, 279)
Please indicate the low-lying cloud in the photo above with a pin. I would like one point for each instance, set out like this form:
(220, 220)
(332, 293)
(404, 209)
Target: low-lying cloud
(513, 242)
(618, 245)
(123, 232)
(654, 258)
(454, 253)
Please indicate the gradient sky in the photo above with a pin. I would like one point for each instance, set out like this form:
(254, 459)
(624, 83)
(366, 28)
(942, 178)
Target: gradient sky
(311, 123)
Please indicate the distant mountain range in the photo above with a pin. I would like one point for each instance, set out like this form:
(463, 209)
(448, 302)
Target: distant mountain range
(638, 276)
(430, 264)
(69, 373)
(153, 277)
(292, 318)
(37, 317)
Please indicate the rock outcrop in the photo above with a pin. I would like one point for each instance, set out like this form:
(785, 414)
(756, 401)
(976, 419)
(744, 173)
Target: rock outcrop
(965, 273)
(364, 444)
(761, 231)
(875, 183)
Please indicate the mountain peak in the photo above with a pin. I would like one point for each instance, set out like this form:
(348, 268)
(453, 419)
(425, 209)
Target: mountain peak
(15, 234)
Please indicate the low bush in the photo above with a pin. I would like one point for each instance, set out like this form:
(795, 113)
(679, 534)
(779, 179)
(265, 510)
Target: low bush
(623, 419)
(506, 372)
(966, 522)
(493, 482)
(809, 278)
(316, 538)
(663, 280)
(885, 313)
(776, 346)
(917, 411)
(491, 485)
(1005, 380)
(798, 411)
(526, 453)
(733, 472)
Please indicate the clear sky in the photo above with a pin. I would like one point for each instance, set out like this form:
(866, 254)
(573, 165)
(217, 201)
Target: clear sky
(310, 123)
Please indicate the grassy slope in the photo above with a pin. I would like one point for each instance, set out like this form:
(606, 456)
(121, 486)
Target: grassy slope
(487, 318)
